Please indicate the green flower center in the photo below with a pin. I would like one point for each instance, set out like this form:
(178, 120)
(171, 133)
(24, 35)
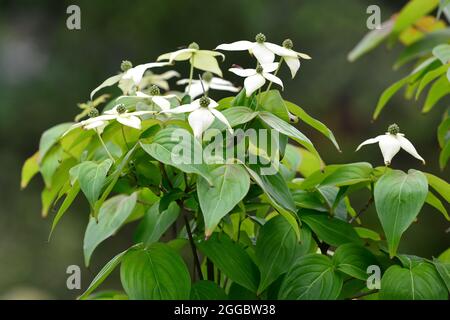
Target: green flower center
(393, 129)
(207, 76)
(260, 38)
(154, 90)
(121, 109)
(194, 46)
(126, 65)
(288, 44)
(259, 69)
(93, 113)
(204, 102)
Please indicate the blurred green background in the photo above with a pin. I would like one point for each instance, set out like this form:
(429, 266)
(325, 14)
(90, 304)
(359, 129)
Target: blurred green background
(45, 69)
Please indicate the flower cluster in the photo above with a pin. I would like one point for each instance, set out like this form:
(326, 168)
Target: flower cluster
(140, 83)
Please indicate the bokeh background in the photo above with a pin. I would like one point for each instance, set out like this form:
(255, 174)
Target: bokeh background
(45, 69)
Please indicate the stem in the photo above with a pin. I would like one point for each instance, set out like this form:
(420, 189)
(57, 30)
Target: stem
(165, 175)
(124, 138)
(364, 209)
(275, 73)
(104, 145)
(193, 247)
(191, 74)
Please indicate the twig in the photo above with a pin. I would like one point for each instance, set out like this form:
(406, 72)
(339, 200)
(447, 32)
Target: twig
(192, 243)
(364, 209)
(363, 294)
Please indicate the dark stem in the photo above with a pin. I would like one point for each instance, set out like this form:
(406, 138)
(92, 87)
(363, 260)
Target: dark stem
(193, 247)
(322, 245)
(165, 175)
(210, 270)
(364, 209)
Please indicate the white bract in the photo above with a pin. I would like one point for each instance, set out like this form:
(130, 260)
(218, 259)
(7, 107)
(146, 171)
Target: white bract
(256, 78)
(263, 51)
(130, 77)
(159, 80)
(202, 114)
(161, 101)
(118, 113)
(209, 82)
(391, 143)
(201, 59)
(292, 57)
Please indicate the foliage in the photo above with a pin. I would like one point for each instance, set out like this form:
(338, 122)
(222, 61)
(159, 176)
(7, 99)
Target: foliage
(268, 220)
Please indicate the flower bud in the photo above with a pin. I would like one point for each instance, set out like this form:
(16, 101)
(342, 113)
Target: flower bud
(288, 44)
(93, 113)
(260, 38)
(154, 90)
(194, 46)
(204, 102)
(126, 65)
(259, 69)
(393, 129)
(207, 76)
(120, 108)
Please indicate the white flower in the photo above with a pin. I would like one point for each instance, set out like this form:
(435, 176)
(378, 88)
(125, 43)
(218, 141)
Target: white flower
(209, 82)
(263, 51)
(201, 59)
(202, 114)
(256, 78)
(130, 77)
(119, 113)
(159, 80)
(291, 57)
(390, 144)
(161, 101)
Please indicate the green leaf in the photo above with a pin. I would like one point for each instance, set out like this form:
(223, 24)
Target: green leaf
(422, 47)
(113, 213)
(349, 174)
(367, 233)
(418, 281)
(433, 201)
(207, 290)
(235, 117)
(68, 200)
(92, 177)
(311, 278)
(410, 13)
(155, 223)
(331, 230)
(178, 148)
(29, 170)
(230, 184)
(444, 131)
(353, 260)
(371, 40)
(103, 274)
(439, 89)
(288, 130)
(390, 91)
(430, 76)
(275, 187)
(443, 268)
(441, 186)
(444, 155)
(398, 200)
(316, 124)
(51, 136)
(155, 273)
(275, 249)
(273, 102)
(232, 260)
(442, 52)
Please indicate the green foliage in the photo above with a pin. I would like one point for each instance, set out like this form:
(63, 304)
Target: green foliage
(255, 218)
